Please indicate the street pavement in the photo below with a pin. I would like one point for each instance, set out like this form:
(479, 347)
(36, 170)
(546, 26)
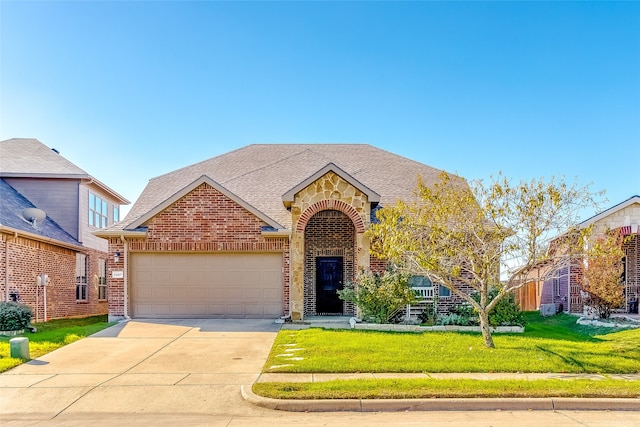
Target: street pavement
(200, 371)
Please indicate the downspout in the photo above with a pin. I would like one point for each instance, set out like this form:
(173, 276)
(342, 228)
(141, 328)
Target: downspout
(126, 278)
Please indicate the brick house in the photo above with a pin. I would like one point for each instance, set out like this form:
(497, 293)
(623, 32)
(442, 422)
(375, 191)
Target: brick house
(36, 180)
(557, 283)
(262, 231)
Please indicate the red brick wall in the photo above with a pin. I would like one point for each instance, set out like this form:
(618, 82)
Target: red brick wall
(204, 220)
(631, 249)
(378, 264)
(327, 233)
(24, 259)
(205, 214)
(115, 287)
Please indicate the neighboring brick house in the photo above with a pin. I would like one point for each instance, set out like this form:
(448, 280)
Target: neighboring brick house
(262, 231)
(34, 180)
(558, 282)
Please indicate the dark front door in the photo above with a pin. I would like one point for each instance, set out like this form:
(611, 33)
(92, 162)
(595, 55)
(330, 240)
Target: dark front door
(328, 281)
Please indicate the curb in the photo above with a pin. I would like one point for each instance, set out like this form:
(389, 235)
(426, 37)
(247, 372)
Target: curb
(461, 404)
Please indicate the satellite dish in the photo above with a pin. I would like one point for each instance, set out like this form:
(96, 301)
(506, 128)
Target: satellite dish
(34, 215)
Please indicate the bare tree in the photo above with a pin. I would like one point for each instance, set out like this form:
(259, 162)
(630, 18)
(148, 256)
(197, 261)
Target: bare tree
(463, 236)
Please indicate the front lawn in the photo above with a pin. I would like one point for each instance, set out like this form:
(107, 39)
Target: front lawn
(552, 344)
(549, 344)
(450, 388)
(50, 336)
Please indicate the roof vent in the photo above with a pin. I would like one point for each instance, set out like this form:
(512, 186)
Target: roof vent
(55, 151)
(34, 216)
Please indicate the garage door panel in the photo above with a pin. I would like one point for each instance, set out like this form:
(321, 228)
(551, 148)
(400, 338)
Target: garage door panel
(206, 285)
(271, 294)
(272, 310)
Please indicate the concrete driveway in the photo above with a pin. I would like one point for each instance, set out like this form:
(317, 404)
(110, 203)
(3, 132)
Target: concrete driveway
(189, 373)
(155, 367)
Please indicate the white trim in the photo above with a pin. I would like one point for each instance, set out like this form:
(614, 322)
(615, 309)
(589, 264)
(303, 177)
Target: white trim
(277, 233)
(620, 206)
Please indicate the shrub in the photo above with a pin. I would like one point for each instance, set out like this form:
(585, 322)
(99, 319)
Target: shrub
(379, 295)
(506, 312)
(14, 316)
(453, 319)
(467, 314)
(429, 316)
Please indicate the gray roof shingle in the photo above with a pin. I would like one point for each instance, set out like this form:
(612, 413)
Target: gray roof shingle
(30, 157)
(260, 174)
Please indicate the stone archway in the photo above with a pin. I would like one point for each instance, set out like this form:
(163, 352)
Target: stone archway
(331, 204)
(329, 241)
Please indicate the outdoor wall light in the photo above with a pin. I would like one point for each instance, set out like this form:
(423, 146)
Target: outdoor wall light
(116, 257)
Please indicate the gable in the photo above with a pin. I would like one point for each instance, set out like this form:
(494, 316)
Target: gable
(331, 174)
(219, 190)
(202, 214)
(625, 214)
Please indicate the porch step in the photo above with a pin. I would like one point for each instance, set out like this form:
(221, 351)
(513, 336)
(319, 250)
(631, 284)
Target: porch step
(326, 319)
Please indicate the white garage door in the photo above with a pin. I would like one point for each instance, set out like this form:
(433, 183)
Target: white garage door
(206, 285)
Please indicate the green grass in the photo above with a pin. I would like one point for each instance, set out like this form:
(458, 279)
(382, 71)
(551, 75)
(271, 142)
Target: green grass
(51, 336)
(458, 388)
(549, 344)
(553, 344)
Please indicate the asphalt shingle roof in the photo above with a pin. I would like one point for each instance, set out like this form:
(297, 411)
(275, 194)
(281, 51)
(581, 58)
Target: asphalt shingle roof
(26, 156)
(30, 158)
(260, 174)
(13, 203)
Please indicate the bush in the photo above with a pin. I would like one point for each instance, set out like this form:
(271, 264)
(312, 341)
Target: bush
(506, 312)
(430, 315)
(14, 316)
(453, 319)
(379, 295)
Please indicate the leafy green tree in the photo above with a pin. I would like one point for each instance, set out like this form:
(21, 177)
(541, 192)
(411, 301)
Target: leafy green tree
(462, 236)
(379, 295)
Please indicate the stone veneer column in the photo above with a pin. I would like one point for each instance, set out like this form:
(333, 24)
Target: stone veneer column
(296, 285)
(330, 192)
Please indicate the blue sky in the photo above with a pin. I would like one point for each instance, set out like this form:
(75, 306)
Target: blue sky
(132, 90)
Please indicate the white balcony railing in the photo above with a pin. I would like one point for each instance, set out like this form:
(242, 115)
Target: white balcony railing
(424, 293)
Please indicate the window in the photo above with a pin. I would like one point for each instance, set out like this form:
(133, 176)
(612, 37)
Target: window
(420, 282)
(556, 287)
(425, 288)
(444, 292)
(98, 211)
(81, 278)
(116, 214)
(102, 279)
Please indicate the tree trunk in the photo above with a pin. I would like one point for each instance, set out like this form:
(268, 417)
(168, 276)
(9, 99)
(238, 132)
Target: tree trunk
(484, 327)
